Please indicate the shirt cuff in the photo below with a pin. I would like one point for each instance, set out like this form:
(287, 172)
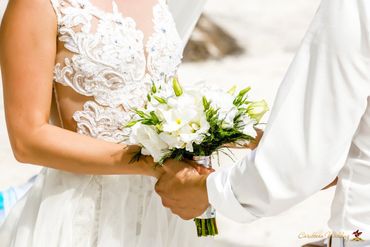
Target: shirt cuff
(223, 199)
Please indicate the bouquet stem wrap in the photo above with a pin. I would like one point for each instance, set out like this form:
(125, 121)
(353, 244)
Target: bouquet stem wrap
(206, 223)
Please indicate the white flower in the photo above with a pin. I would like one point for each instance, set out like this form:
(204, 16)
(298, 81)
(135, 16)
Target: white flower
(184, 121)
(149, 139)
(224, 102)
(247, 127)
(176, 118)
(257, 110)
(181, 111)
(228, 118)
(185, 137)
(172, 140)
(194, 132)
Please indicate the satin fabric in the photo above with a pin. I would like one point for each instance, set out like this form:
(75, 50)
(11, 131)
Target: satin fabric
(319, 129)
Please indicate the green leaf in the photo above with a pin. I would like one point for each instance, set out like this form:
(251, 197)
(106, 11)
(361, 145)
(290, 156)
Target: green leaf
(135, 157)
(232, 90)
(206, 103)
(177, 87)
(154, 117)
(148, 122)
(141, 113)
(241, 99)
(160, 100)
(244, 91)
(131, 124)
(154, 88)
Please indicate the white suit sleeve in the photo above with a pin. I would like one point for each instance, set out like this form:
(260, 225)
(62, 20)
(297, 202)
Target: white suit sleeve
(316, 113)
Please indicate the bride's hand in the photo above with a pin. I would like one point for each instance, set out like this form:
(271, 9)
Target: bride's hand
(147, 165)
(173, 167)
(251, 145)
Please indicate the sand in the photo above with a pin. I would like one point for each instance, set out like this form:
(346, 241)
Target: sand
(271, 32)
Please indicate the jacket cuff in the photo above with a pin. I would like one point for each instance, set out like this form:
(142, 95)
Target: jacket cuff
(223, 199)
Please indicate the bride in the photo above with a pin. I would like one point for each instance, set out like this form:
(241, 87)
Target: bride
(72, 69)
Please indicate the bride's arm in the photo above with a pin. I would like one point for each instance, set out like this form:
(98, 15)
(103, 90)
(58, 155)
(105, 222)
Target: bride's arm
(27, 56)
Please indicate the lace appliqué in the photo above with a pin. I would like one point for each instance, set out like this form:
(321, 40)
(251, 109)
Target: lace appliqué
(110, 64)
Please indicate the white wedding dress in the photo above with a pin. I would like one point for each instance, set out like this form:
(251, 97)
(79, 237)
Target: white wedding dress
(109, 62)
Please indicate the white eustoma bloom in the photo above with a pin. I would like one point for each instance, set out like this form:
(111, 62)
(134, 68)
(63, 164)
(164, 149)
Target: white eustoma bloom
(228, 118)
(183, 120)
(190, 133)
(194, 132)
(225, 104)
(257, 110)
(149, 139)
(180, 112)
(176, 118)
(172, 140)
(247, 126)
(250, 130)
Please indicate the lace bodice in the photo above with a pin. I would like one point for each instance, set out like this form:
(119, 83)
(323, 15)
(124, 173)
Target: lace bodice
(111, 63)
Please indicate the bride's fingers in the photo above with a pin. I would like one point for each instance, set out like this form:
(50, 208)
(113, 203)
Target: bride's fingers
(201, 169)
(233, 146)
(254, 143)
(204, 171)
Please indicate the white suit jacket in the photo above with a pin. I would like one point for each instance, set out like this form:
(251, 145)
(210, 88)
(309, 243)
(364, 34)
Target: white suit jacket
(319, 128)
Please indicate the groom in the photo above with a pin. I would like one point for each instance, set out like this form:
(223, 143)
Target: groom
(319, 129)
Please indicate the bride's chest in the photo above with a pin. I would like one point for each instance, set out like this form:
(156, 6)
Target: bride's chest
(108, 48)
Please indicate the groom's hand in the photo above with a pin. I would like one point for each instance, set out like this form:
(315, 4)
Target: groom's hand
(254, 143)
(183, 189)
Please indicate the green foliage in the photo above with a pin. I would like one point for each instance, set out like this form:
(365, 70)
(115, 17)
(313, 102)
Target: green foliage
(216, 138)
(206, 103)
(241, 98)
(154, 88)
(159, 99)
(147, 119)
(177, 87)
(135, 157)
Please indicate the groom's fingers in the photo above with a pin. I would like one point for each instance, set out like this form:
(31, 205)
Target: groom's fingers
(164, 191)
(182, 214)
(162, 186)
(168, 203)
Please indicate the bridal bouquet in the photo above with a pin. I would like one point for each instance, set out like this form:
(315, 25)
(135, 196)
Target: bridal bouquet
(194, 123)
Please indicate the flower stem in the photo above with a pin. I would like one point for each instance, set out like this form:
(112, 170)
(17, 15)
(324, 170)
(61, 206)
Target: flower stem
(206, 227)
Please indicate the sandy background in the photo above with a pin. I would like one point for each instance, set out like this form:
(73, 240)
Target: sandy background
(271, 32)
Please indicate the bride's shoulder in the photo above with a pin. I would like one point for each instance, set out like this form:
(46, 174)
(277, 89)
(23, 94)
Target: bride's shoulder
(28, 17)
(29, 6)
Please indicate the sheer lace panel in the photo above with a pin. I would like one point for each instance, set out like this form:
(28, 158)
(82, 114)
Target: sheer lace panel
(109, 61)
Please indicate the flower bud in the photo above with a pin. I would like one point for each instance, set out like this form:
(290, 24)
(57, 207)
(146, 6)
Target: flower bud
(177, 87)
(256, 110)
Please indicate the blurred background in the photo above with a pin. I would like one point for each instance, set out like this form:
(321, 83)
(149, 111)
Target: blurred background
(236, 42)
